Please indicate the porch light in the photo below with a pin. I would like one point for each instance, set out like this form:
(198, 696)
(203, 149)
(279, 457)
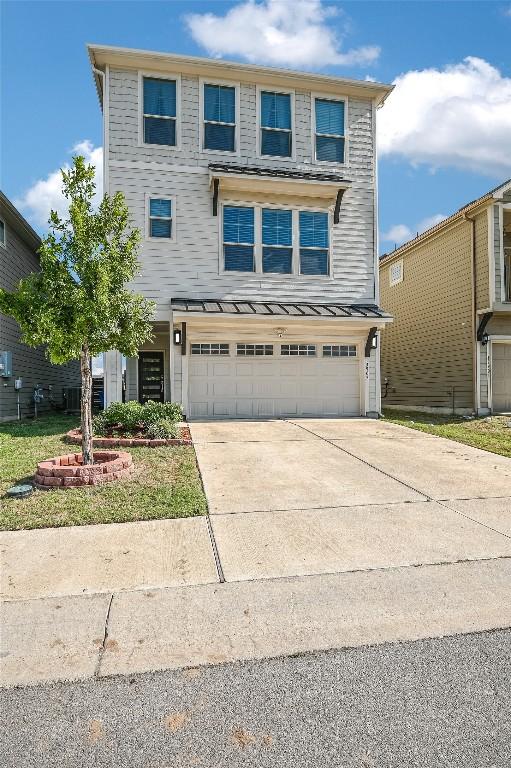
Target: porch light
(374, 342)
(177, 336)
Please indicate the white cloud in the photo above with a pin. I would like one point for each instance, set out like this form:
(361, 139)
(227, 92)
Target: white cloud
(46, 195)
(456, 117)
(279, 32)
(400, 233)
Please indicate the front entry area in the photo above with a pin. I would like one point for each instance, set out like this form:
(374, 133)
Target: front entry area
(150, 376)
(271, 380)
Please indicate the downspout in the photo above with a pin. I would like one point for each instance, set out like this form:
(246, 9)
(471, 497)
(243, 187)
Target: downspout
(475, 348)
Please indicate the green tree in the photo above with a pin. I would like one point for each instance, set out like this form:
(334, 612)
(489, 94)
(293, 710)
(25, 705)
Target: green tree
(78, 305)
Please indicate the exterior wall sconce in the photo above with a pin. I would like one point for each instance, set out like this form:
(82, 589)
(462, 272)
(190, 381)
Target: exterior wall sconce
(484, 339)
(280, 332)
(177, 336)
(374, 342)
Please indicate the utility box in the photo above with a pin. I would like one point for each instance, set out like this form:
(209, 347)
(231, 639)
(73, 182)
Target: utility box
(5, 364)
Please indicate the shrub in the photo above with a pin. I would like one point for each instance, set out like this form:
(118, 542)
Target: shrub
(162, 429)
(132, 417)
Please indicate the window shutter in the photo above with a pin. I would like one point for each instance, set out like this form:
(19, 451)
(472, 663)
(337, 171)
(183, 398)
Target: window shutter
(159, 97)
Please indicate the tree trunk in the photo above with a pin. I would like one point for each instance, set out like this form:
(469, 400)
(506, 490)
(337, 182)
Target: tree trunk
(86, 406)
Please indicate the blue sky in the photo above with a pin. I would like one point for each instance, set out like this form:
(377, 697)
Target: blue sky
(446, 131)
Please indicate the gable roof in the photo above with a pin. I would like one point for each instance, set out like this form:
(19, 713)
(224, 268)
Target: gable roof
(18, 223)
(494, 194)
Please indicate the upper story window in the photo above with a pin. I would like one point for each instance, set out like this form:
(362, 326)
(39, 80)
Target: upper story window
(219, 118)
(313, 243)
(161, 218)
(2, 233)
(276, 132)
(277, 240)
(396, 273)
(160, 110)
(329, 132)
(238, 235)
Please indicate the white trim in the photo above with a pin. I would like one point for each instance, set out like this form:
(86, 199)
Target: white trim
(237, 91)
(489, 372)
(3, 244)
(478, 377)
(329, 97)
(106, 131)
(259, 134)
(365, 322)
(376, 225)
(491, 255)
(258, 244)
(501, 247)
(158, 76)
(173, 218)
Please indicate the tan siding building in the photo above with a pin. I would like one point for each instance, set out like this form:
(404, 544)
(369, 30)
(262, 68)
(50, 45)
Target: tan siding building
(449, 346)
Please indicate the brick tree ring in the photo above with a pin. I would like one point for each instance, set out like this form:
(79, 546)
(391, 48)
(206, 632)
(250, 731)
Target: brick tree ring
(68, 471)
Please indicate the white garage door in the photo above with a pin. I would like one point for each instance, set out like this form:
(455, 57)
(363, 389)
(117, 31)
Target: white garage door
(501, 377)
(233, 380)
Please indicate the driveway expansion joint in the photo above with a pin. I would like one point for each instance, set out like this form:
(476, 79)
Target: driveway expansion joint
(102, 648)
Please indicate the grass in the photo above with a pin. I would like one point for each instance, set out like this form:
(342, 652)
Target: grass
(489, 433)
(165, 484)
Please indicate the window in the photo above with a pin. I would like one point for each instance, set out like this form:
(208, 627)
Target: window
(251, 350)
(277, 239)
(298, 350)
(2, 233)
(276, 135)
(219, 118)
(159, 111)
(160, 218)
(313, 243)
(396, 272)
(238, 239)
(329, 136)
(339, 350)
(209, 349)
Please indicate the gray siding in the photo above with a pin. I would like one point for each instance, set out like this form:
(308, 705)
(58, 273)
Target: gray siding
(497, 252)
(190, 267)
(16, 261)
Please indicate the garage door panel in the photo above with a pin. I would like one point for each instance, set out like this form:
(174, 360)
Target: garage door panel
(273, 386)
(501, 377)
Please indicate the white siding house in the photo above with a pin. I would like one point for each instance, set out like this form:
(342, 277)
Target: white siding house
(255, 191)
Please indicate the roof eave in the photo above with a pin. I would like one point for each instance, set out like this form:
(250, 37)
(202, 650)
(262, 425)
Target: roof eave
(107, 54)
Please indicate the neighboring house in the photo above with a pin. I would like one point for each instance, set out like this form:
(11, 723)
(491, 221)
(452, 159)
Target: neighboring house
(19, 363)
(449, 291)
(255, 191)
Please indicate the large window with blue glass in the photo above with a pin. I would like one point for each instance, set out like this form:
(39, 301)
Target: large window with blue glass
(313, 243)
(219, 118)
(275, 240)
(329, 137)
(276, 131)
(238, 234)
(159, 111)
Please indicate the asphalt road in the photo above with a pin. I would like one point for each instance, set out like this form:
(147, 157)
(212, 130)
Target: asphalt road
(434, 703)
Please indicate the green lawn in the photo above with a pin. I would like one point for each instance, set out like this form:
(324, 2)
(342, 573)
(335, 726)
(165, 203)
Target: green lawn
(489, 433)
(165, 483)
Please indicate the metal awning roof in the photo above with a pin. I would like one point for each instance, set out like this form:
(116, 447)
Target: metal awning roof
(278, 173)
(274, 309)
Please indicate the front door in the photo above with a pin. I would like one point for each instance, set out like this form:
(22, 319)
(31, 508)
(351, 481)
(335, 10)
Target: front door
(150, 377)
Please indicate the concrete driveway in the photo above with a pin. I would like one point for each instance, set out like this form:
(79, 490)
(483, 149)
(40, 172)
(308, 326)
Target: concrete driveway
(312, 496)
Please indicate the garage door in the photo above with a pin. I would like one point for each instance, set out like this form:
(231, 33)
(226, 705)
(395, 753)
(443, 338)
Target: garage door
(234, 380)
(501, 377)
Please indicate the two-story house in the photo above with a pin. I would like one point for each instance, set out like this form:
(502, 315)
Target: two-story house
(449, 291)
(255, 191)
(29, 383)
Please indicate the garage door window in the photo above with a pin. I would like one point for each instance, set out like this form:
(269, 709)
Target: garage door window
(298, 350)
(252, 350)
(339, 350)
(209, 349)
